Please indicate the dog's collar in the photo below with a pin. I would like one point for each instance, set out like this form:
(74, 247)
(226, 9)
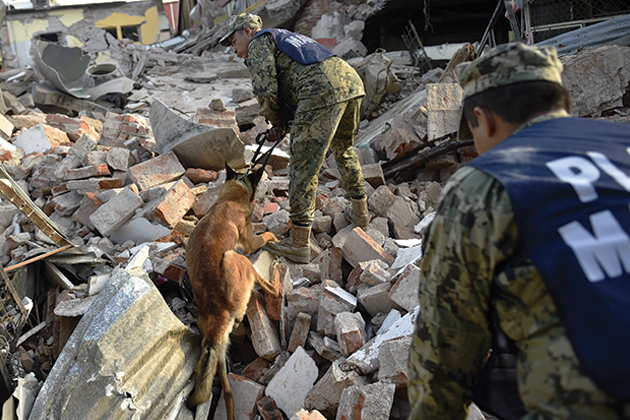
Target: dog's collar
(250, 192)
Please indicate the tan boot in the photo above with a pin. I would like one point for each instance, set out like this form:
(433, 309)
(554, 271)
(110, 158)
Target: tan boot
(296, 247)
(358, 213)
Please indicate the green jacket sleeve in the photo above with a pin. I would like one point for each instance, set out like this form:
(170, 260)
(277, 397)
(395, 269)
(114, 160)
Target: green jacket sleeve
(261, 62)
(470, 236)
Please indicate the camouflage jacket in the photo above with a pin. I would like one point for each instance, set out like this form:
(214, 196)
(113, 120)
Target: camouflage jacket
(473, 245)
(278, 79)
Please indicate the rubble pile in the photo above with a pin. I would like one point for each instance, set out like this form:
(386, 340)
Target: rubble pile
(335, 343)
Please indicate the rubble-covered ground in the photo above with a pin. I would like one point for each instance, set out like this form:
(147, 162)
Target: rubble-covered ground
(334, 345)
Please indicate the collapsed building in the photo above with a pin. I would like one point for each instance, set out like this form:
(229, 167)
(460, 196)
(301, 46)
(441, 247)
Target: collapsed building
(111, 153)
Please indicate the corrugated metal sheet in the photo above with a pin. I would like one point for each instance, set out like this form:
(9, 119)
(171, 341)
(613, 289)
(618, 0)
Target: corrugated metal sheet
(128, 358)
(591, 36)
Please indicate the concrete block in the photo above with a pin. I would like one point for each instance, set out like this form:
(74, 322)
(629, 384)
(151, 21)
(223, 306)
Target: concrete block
(368, 402)
(116, 212)
(350, 328)
(322, 224)
(330, 264)
(365, 360)
(81, 148)
(326, 393)
(376, 299)
(174, 204)
(278, 223)
(246, 394)
(407, 256)
(360, 247)
(303, 299)
(316, 340)
(6, 127)
(39, 138)
(96, 157)
(86, 172)
(373, 174)
(393, 360)
(156, 171)
(380, 200)
(93, 185)
(375, 274)
(291, 384)
(300, 331)
(594, 79)
(403, 211)
(354, 278)
(423, 224)
(392, 317)
(66, 204)
(264, 335)
(118, 158)
(405, 292)
(444, 102)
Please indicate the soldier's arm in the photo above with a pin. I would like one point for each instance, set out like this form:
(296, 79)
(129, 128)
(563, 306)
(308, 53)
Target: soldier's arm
(262, 69)
(452, 337)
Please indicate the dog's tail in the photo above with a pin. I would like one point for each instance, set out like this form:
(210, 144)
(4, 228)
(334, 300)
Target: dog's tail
(211, 355)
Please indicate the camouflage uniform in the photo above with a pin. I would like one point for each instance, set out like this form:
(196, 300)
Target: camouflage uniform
(326, 97)
(472, 246)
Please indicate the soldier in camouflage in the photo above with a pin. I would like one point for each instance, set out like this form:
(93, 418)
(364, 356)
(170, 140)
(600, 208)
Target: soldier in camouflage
(474, 260)
(325, 98)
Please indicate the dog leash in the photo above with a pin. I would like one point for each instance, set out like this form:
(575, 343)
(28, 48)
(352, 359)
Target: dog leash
(260, 140)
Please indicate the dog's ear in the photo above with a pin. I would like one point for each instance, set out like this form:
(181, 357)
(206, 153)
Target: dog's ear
(254, 177)
(230, 173)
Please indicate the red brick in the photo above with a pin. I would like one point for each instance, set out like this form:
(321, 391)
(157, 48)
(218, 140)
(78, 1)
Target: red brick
(330, 264)
(271, 207)
(199, 176)
(87, 172)
(174, 205)
(205, 201)
(300, 332)
(5, 155)
(156, 171)
(256, 369)
(360, 247)
(268, 409)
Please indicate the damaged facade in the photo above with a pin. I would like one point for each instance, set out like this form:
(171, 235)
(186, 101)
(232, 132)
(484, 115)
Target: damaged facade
(98, 321)
(142, 22)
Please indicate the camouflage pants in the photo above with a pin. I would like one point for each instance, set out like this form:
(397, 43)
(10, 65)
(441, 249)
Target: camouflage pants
(313, 132)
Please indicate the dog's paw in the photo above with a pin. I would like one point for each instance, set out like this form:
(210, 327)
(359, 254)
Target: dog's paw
(269, 237)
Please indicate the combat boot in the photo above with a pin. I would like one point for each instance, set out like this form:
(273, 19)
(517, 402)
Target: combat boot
(358, 213)
(296, 247)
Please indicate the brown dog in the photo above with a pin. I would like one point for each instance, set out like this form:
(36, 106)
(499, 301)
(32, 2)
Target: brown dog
(222, 279)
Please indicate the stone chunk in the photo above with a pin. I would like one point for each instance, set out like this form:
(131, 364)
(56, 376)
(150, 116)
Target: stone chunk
(373, 174)
(360, 247)
(300, 332)
(376, 299)
(6, 127)
(157, 171)
(246, 394)
(393, 360)
(350, 329)
(444, 101)
(291, 384)
(264, 336)
(174, 204)
(405, 292)
(40, 138)
(326, 393)
(369, 402)
(118, 158)
(116, 212)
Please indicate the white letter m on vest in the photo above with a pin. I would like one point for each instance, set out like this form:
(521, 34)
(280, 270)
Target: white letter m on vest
(608, 249)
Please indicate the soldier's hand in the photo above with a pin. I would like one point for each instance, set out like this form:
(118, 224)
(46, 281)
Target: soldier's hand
(274, 134)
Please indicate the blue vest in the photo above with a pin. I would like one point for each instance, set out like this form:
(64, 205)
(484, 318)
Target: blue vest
(568, 180)
(298, 47)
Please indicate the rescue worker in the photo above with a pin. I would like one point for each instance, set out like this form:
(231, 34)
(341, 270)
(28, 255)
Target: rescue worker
(536, 230)
(303, 89)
